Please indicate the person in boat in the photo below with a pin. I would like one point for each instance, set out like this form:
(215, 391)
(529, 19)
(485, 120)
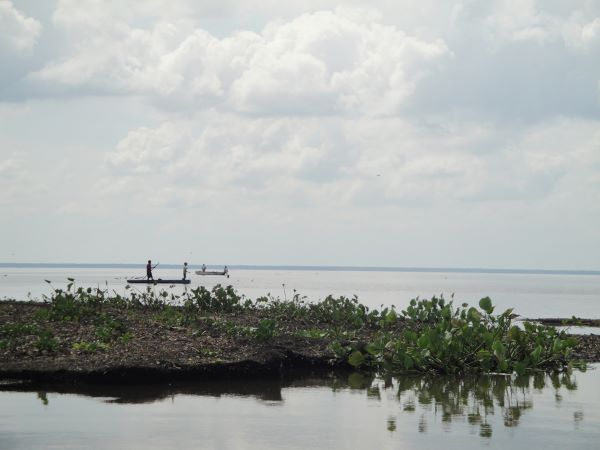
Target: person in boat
(203, 267)
(149, 268)
(185, 270)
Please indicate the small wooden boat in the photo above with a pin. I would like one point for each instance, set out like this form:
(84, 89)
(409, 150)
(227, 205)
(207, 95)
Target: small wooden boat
(157, 281)
(212, 272)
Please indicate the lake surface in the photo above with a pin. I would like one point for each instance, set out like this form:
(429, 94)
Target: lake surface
(532, 295)
(551, 412)
(350, 411)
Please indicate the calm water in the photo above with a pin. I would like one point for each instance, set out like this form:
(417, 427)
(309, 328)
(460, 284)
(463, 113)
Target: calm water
(550, 412)
(531, 295)
(351, 412)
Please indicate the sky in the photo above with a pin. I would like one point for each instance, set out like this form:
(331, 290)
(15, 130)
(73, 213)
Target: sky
(405, 133)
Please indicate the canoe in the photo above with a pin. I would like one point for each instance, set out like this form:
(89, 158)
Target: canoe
(211, 272)
(158, 281)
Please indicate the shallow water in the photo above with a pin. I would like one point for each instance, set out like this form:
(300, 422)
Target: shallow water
(532, 295)
(561, 411)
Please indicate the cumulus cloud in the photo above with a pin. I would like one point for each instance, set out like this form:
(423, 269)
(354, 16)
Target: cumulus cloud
(332, 60)
(504, 22)
(19, 32)
(581, 35)
(357, 163)
(144, 149)
(319, 63)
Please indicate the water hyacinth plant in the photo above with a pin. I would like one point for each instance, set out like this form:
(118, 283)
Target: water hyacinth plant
(450, 339)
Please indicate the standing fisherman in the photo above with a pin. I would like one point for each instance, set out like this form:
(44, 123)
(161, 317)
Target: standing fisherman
(185, 269)
(149, 268)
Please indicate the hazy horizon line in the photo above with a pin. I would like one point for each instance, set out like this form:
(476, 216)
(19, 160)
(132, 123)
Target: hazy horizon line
(308, 267)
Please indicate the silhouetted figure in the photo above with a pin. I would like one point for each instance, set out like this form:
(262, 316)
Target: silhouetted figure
(149, 268)
(185, 270)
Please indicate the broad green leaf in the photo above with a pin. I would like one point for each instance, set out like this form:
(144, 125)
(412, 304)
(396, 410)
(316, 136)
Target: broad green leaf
(483, 355)
(338, 349)
(474, 315)
(498, 349)
(514, 333)
(535, 355)
(391, 317)
(457, 323)
(557, 346)
(486, 304)
(503, 366)
(488, 338)
(356, 358)
(508, 312)
(374, 349)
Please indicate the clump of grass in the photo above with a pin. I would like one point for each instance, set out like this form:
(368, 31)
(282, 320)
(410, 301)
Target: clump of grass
(13, 334)
(266, 330)
(12, 330)
(46, 341)
(89, 347)
(109, 329)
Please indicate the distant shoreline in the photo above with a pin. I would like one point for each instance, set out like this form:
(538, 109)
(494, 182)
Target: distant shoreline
(305, 268)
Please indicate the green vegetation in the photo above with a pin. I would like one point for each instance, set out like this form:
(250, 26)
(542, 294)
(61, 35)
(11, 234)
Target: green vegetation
(446, 339)
(46, 341)
(12, 334)
(267, 328)
(89, 347)
(109, 329)
(428, 336)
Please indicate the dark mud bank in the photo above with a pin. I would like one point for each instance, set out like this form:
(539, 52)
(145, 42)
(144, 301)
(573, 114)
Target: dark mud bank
(272, 363)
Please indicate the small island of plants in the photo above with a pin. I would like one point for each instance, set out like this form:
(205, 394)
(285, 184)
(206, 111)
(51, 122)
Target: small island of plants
(95, 335)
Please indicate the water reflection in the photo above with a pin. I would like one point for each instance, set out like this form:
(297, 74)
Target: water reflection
(473, 398)
(264, 390)
(476, 400)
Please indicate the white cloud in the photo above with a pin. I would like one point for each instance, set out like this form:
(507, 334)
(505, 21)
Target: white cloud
(144, 150)
(582, 35)
(19, 33)
(503, 22)
(357, 162)
(320, 63)
(517, 20)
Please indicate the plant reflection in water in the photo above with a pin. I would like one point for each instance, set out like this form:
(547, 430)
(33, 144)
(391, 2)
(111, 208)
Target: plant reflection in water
(470, 399)
(474, 398)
